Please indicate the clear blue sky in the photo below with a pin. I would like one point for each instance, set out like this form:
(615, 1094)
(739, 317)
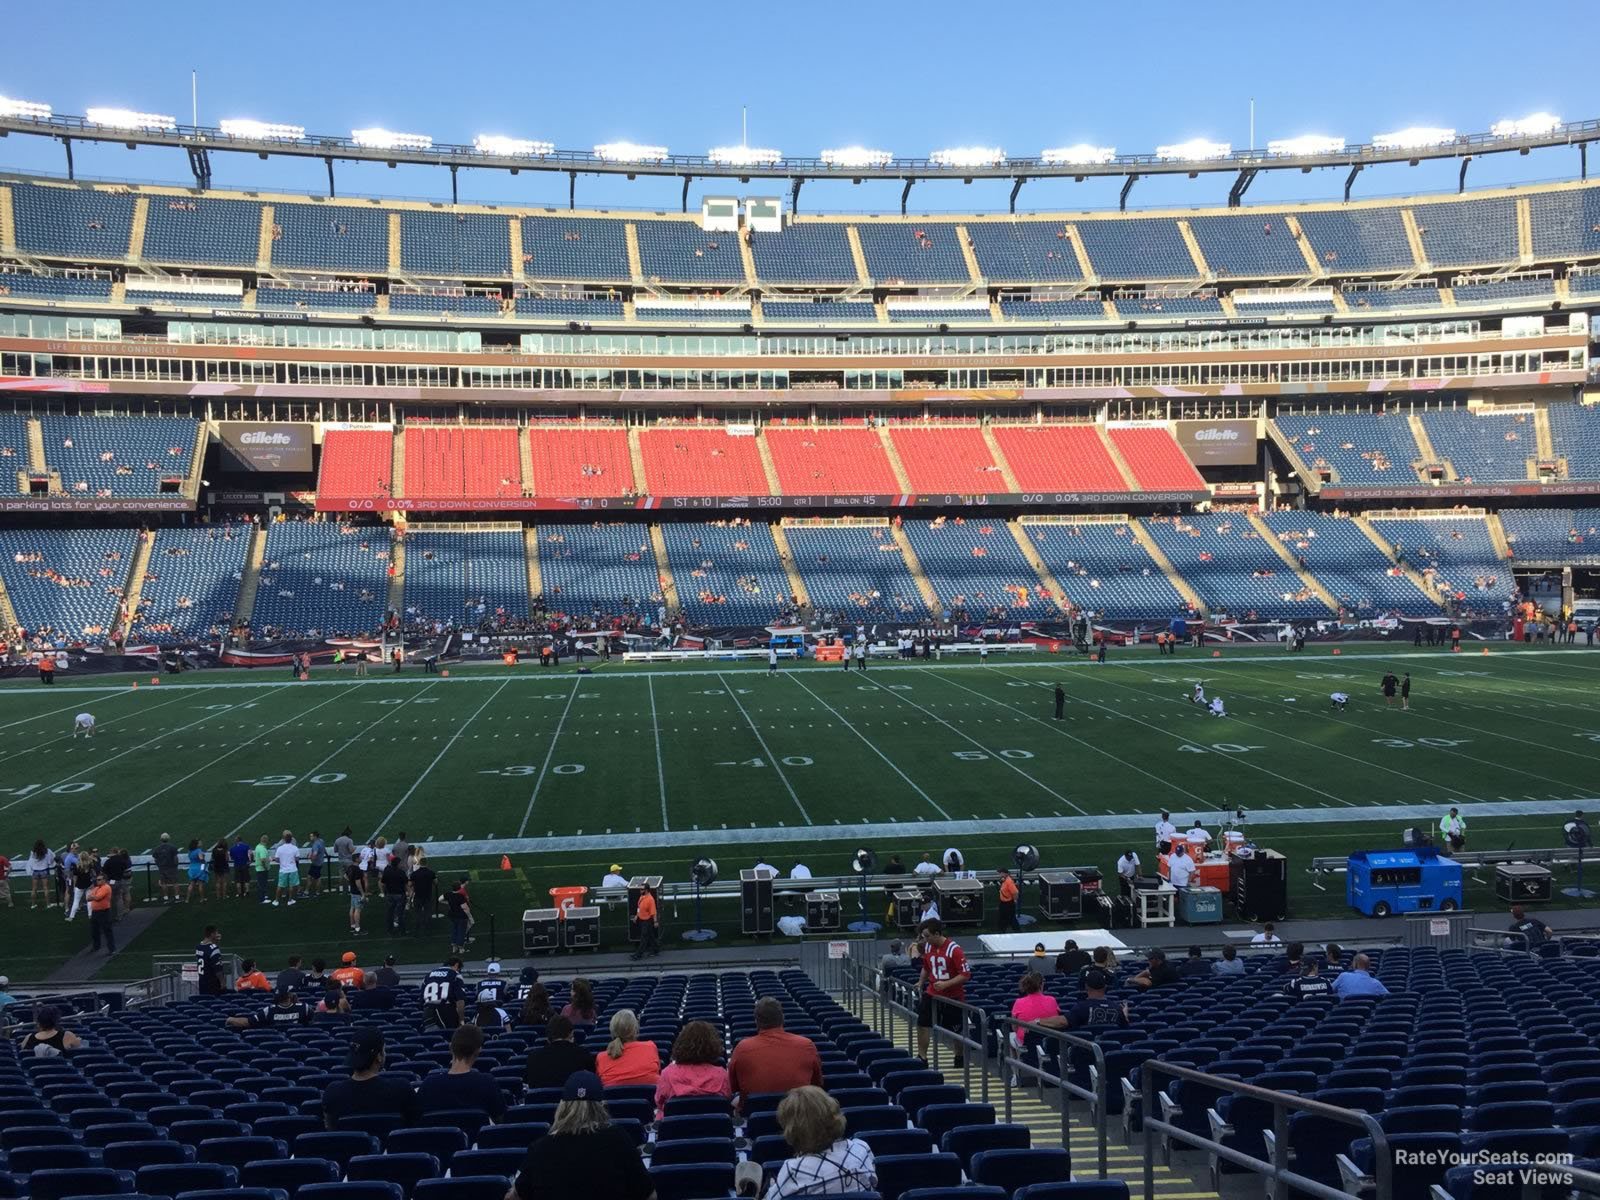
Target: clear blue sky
(908, 78)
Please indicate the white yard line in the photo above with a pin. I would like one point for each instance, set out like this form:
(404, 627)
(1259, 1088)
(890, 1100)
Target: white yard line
(932, 803)
(389, 816)
(997, 757)
(206, 767)
(661, 773)
(762, 742)
(387, 713)
(538, 784)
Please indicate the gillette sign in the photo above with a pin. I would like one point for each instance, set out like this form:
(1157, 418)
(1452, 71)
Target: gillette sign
(1218, 443)
(262, 446)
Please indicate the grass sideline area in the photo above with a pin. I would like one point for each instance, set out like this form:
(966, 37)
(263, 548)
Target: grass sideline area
(654, 765)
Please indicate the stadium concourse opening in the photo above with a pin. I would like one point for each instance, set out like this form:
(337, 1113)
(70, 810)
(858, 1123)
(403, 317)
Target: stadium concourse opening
(841, 607)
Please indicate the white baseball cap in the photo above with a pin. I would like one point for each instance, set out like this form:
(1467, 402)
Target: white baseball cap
(493, 968)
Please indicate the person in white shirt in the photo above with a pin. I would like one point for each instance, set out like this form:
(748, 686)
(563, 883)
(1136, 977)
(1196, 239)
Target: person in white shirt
(83, 723)
(772, 660)
(926, 867)
(1340, 699)
(799, 871)
(1166, 833)
(930, 911)
(364, 857)
(1180, 868)
(287, 855)
(1199, 840)
(1198, 696)
(1267, 937)
(1216, 707)
(614, 877)
(955, 864)
(1127, 871)
(772, 871)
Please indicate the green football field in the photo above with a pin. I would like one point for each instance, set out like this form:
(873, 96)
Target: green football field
(651, 766)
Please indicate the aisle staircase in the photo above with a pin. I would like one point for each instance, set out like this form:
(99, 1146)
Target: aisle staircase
(636, 457)
(264, 238)
(797, 585)
(8, 612)
(397, 581)
(141, 215)
(1040, 1111)
(254, 558)
(530, 555)
(1202, 268)
(1311, 582)
(1410, 572)
(36, 462)
(395, 257)
(995, 453)
(8, 223)
(669, 586)
(515, 228)
(1408, 221)
(397, 464)
(1123, 468)
(1159, 557)
(133, 588)
(858, 256)
(901, 479)
(1497, 535)
(197, 461)
(630, 233)
(1542, 436)
(768, 468)
(908, 555)
(1304, 243)
(525, 456)
(1047, 579)
(974, 271)
(1429, 456)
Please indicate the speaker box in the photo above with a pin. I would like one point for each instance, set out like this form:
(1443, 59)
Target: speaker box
(755, 902)
(1261, 886)
(907, 908)
(1060, 895)
(960, 901)
(541, 930)
(822, 912)
(581, 929)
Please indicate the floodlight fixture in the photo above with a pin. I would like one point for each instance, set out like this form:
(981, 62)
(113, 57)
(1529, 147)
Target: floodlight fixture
(1306, 143)
(1533, 125)
(262, 131)
(126, 118)
(968, 156)
(26, 109)
(386, 139)
(510, 147)
(743, 156)
(1414, 137)
(1194, 150)
(1080, 155)
(629, 152)
(857, 156)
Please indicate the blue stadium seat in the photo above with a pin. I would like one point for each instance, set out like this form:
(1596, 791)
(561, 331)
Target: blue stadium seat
(364, 1189)
(804, 252)
(1248, 245)
(462, 1187)
(696, 1150)
(130, 1156)
(1353, 240)
(692, 1181)
(965, 1141)
(169, 1179)
(912, 252)
(404, 1169)
(1136, 249)
(72, 222)
(575, 248)
(333, 237)
(902, 1173)
(682, 252)
(455, 245)
(60, 1183)
(202, 231)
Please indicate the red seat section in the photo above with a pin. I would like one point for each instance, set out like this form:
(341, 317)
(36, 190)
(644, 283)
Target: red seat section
(1056, 458)
(356, 463)
(834, 462)
(683, 461)
(1156, 459)
(580, 462)
(952, 459)
(450, 461)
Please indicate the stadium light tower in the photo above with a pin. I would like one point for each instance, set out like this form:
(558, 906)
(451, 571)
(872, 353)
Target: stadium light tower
(262, 131)
(1306, 143)
(1413, 137)
(856, 156)
(629, 152)
(1080, 155)
(127, 118)
(378, 138)
(1534, 125)
(1194, 150)
(510, 147)
(25, 109)
(968, 156)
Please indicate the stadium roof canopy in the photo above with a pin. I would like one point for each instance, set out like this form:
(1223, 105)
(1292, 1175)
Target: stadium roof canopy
(199, 142)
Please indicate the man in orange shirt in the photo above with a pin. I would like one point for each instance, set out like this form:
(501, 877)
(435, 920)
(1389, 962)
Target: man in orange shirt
(773, 1060)
(251, 978)
(100, 925)
(648, 914)
(1008, 903)
(349, 975)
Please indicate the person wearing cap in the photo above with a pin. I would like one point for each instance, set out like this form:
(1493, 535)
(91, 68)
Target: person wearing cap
(444, 999)
(1158, 973)
(387, 976)
(463, 1086)
(494, 990)
(1094, 1011)
(368, 1090)
(648, 916)
(584, 1156)
(525, 981)
(1008, 903)
(287, 1009)
(1072, 959)
(615, 877)
(349, 975)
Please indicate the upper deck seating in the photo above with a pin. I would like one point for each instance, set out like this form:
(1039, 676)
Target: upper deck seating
(578, 248)
(450, 461)
(946, 458)
(1362, 449)
(455, 245)
(913, 252)
(332, 237)
(1565, 223)
(1024, 251)
(682, 252)
(1350, 241)
(832, 461)
(804, 252)
(1483, 445)
(1249, 246)
(682, 460)
(72, 222)
(199, 230)
(118, 456)
(588, 461)
(1059, 458)
(1157, 461)
(1136, 249)
(1468, 233)
(357, 463)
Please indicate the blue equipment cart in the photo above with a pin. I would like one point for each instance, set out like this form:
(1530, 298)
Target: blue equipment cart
(1380, 882)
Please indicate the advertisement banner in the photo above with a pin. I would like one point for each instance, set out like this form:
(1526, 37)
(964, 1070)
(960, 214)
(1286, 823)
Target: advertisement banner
(265, 446)
(1218, 443)
(117, 504)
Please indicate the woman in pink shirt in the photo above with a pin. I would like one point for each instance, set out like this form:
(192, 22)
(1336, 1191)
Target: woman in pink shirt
(1035, 1005)
(625, 1058)
(696, 1068)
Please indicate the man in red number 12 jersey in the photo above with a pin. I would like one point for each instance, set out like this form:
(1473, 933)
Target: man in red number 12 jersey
(944, 973)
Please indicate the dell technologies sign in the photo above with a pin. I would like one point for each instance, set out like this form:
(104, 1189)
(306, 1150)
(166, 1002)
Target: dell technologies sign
(1218, 443)
(252, 446)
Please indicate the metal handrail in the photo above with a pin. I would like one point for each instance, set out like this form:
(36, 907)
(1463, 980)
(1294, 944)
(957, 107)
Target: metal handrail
(1095, 1097)
(1277, 1173)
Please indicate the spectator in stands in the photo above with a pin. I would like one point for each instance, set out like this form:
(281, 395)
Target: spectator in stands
(1332, 958)
(386, 975)
(368, 1090)
(333, 999)
(1157, 973)
(580, 1009)
(1534, 932)
(48, 1039)
(1071, 959)
(896, 958)
(536, 1010)
(553, 1063)
(696, 1068)
(1310, 984)
(627, 1059)
(1095, 1011)
(251, 978)
(1195, 964)
(1267, 937)
(5, 996)
(584, 1156)
(1358, 980)
(773, 1060)
(348, 974)
(287, 1009)
(1230, 963)
(1292, 957)
(1034, 1005)
(444, 997)
(825, 1160)
(462, 1086)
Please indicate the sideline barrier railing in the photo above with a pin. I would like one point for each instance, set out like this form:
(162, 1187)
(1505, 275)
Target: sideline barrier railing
(1013, 1062)
(1275, 1171)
